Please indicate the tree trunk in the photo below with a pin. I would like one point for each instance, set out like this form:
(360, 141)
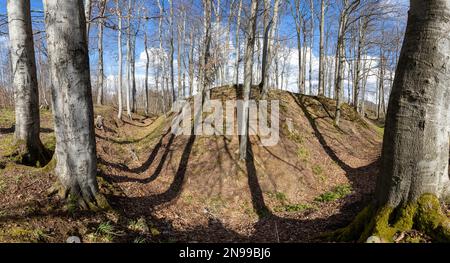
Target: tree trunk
(119, 50)
(25, 83)
(414, 162)
(147, 64)
(238, 29)
(264, 69)
(321, 88)
(191, 62)
(205, 81)
(161, 53)
(248, 67)
(133, 73)
(76, 160)
(87, 14)
(340, 56)
(100, 53)
(128, 91)
(272, 42)
(311, 44)
(179, 56)
(171, 52)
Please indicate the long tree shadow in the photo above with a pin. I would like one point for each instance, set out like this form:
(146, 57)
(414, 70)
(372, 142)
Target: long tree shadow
(146, 204)
(353, 174)
(255, 188)
(12, 129)
(144, 166)
(273, 228)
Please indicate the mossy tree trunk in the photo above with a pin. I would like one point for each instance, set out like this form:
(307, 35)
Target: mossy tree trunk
(25, 83)
(414, 164)
(76, 161)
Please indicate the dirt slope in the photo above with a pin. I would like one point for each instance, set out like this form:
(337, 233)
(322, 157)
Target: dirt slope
(193, 188)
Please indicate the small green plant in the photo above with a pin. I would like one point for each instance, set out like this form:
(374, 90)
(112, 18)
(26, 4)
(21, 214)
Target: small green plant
(317, 169)
(336, 193)
(138, 225)
(302, 153)
(2, 186)
(279, 196)
(140, 240)
(40, 235)
(293, 208)
(295, 137)
(105, 228)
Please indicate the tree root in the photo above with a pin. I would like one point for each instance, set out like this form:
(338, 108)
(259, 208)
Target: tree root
(96, 202)
(31, 155)
(383, 224)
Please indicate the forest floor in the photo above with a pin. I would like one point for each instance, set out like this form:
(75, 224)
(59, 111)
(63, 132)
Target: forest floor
(166, 188)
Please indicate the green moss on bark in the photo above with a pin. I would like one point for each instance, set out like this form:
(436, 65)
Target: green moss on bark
(431, 220)
(424, 215)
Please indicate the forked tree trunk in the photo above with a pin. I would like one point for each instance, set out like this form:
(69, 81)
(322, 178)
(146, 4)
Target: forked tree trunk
(25, 83)
(264, 68)
(414, 163)
(76, 161)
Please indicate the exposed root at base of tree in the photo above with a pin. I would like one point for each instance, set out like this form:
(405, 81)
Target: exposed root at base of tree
(30, 155)
(374, 224)
(96, 202)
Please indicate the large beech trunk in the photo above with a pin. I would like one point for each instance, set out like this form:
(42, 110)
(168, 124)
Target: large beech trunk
(76, 161)
(414, 164)
(25, 83)
(416, 142)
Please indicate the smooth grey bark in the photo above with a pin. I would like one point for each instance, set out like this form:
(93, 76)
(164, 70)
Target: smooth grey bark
(340, 60)
(128, 89)
(101, 73)
(161, 53)
(237, 47)
(87, 14)
(361, 43)
(248, 68)
(298, 26)
(147, 65)
(205, 67)
(179, 59)
(25, 83)
(76, 160)
(191, 62)
(133, 65)
(119, 50)
(321, 88)
(311, 44)
(171, 51)
(264, 68)
(271, 46)
(415, 151)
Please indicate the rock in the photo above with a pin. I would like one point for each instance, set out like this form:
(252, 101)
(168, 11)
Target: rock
(373, 239)
(99, 122)
(73, 239)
